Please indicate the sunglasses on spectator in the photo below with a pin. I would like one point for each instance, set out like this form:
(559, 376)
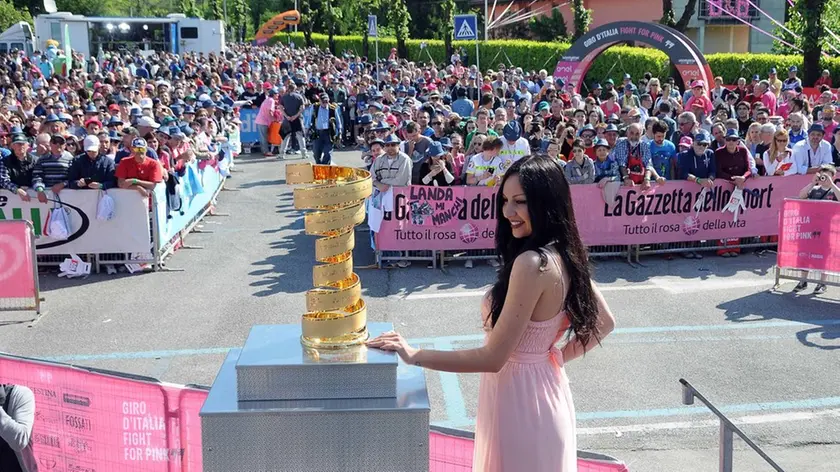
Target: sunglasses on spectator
(781, 140)
(732, 140)
(436, 123)
(702, 144)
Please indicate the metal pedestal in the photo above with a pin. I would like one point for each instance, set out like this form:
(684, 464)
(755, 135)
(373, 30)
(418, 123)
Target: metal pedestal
(349, 410)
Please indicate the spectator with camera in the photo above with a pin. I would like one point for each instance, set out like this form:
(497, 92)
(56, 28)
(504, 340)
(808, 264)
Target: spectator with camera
(822, 187)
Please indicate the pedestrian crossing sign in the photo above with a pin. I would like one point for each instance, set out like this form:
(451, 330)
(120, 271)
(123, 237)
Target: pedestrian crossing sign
(466, 27)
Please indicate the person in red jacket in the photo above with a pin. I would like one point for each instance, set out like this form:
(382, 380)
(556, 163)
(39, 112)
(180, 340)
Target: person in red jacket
(139, 171)
(825, 79)
(733, 165)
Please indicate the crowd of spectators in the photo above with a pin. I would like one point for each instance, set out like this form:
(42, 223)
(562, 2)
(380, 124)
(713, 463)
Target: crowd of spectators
(415, 123)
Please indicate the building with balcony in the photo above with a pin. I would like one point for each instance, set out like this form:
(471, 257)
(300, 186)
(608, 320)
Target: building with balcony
(710, 28)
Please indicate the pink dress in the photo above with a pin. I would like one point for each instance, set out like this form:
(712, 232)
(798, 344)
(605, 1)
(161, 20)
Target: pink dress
(526, 418)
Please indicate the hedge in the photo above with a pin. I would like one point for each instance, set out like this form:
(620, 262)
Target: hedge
(612, 63)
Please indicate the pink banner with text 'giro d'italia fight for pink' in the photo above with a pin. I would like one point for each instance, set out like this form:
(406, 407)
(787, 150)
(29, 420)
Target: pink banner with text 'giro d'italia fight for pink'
(463, 218)
(91, 422)
(809, 235)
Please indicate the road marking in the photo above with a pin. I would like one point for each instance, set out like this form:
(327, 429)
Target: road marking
(740, 421)
(467, 338)
(450, 384)
(678, 287)
(673, 286)
(829, 403)
(480, 293)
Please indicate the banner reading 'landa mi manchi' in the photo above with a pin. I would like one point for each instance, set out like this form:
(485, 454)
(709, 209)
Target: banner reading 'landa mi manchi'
(463, 218)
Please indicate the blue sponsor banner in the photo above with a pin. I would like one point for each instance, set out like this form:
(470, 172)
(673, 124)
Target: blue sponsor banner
(199, 187)
(248, 129)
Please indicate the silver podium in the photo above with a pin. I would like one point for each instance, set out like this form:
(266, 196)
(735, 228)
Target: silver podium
(279, 406)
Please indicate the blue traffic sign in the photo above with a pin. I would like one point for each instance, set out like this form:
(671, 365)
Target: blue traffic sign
(466, 27)
(372, 30)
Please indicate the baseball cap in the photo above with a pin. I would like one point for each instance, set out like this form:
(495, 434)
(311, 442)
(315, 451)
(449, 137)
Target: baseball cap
(702, 137)
(138, 143)
(685, 142)
(601, 142)
(91, 143)
(512, 131)
(732, 134)
(147, 121)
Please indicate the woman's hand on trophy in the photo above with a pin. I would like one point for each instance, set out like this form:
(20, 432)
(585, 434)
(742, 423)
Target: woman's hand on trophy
(392, 341)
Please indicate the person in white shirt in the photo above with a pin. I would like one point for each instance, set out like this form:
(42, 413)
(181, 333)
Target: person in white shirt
(778, 159)
(484, 168)
(514, 146)
(810, 154)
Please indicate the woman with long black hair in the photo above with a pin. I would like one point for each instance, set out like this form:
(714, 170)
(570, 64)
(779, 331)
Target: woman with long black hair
(526, 418)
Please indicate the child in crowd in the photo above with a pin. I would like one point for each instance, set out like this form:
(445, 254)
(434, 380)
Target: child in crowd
(606, 169)
(580, 169)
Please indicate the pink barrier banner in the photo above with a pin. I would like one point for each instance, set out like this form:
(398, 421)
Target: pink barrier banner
(92, 422)
(462, 218)
(809, 235)
(17, 268)
(95, 422)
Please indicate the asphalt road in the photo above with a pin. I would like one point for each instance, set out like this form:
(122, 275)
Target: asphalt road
(769, 360)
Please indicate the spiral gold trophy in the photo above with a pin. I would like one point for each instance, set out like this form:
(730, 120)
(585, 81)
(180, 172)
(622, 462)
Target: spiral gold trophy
(336, 315)
(311, 396)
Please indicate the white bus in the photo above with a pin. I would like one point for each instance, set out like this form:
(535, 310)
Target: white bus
(89, 35)
(17, 37)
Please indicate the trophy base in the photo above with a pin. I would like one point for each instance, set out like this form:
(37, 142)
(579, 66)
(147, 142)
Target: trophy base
(275, 364)
(339, 342)
(345, 422)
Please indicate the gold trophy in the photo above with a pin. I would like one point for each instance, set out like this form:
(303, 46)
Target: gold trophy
(336, 315)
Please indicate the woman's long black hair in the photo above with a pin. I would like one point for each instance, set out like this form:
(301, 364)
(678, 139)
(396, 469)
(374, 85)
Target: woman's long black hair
(553, 226)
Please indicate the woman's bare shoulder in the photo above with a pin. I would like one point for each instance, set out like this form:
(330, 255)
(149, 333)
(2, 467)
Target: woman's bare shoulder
(528, 262)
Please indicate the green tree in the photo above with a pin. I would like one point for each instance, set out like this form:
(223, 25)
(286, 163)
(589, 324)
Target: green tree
(306, 20)
(668, 13)
(399, 19)
(189, 8)
(583, 18)
(669, 19)
(687, 14)
(812, 23)
(238, 17)
(447, 25)
(214, 10)
(330, 16)
(10, 15)
(83, 7)
(549, 28)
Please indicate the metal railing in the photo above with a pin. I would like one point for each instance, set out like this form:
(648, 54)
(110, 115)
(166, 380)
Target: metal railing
(689, 393)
